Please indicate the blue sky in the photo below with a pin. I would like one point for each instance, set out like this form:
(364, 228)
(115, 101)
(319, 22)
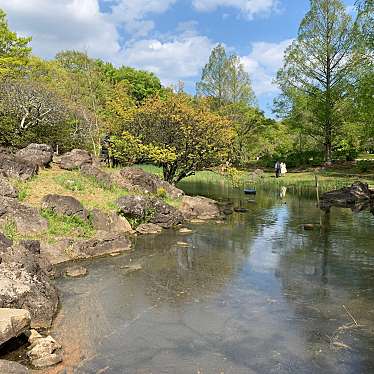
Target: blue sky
(172, 38)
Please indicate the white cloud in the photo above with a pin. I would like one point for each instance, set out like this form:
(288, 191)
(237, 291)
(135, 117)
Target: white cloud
(249, 8)
(63, 24)
(262, 64)
(132, 14)
(178, 58)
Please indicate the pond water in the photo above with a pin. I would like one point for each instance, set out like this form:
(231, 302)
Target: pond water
(254, 294)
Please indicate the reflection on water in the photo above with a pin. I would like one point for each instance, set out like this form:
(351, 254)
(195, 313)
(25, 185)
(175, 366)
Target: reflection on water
(255, 294)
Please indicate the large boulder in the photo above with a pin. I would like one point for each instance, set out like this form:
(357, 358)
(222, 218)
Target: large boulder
(64, 205)
(137, 179)
(13, 323)
(199, 207)
(75, 159)
(105, 245)
(37, 154)
(109, 222)
(25, 284)
(357, 193)
(11, 367)
(95, 172)
(149, 209)
(6, 189)
(26, 218)
(15, 167)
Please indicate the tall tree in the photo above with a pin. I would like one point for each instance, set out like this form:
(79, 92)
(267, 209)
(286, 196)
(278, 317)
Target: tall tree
(14, 50)
(319, 68)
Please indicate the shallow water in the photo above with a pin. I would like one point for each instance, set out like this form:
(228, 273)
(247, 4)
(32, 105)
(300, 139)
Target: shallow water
(254, 294)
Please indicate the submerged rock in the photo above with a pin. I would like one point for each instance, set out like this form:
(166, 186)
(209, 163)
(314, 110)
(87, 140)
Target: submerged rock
(10, 367)
(149, 209)
(75, 159)
(64, 205)
(148, 228)
(15, 167)
(24, 283)
(6, 189)
(200, 208)
(357, 193)
(37, 154)
(26, 218)
(76, 271)
(13, 323)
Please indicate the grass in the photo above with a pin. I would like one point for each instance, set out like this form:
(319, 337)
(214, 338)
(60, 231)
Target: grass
(10, 230)
(69, 226)
(90, 192)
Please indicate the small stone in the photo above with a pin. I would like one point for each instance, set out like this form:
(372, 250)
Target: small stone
(48, 360)
(148, 228)
(308, 226)
(241, 210)
(76, 272)
(183, 244)
(185, 230)
(195, 220)
(131, 268)
(34, 335)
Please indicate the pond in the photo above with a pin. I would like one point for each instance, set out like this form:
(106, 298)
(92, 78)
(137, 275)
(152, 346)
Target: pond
(254, 294)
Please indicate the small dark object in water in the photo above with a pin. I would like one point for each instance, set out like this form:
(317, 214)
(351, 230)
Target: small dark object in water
(227, 211)
(241, 210)
(250, 191)
(308, 226)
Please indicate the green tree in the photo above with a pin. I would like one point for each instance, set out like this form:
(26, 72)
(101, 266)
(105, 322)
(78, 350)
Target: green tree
(319, 69)
(14, 50)
(181, 135)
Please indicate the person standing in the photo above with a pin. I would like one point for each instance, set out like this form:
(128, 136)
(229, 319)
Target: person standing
(277, 169)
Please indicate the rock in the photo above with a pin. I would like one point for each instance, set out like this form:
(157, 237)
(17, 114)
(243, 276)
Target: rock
(75, 272)
(13, 323)
(94, 171)
(149, 209)
(64, 205)
(31, 245)
(131, 268)
(185, 230)
(26, 219)
(109, 222)
(14, 167)
(308, 226)
(112, 243)
(10, 367)
(25, 284)
(137, 179)
(37, 154)
(357, 193)
(44, 352)
(240, 210)
(34, 335)
(55, 252)
(6, 189)
(75, 159)
(200, 208)
(148, 228)
(4, 242)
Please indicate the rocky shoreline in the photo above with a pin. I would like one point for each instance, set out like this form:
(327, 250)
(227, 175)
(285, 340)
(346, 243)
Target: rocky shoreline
(28, 298)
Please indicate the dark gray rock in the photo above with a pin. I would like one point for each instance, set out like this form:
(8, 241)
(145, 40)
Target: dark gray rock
(357, 193)
(75, 159)
(64, 205)
(137, 179)
(108, 244)
(6, 189)
(14, 167)
(25, 284)
(109, 222)
(4, 242)
(37, 154)
(149, 209)
(94, 171)
(10, 367)
(31, 245)
(26, 218)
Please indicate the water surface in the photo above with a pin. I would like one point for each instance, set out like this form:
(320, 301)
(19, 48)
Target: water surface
(254, 294)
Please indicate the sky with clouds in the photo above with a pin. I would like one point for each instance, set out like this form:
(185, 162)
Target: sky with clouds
(172, 38)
